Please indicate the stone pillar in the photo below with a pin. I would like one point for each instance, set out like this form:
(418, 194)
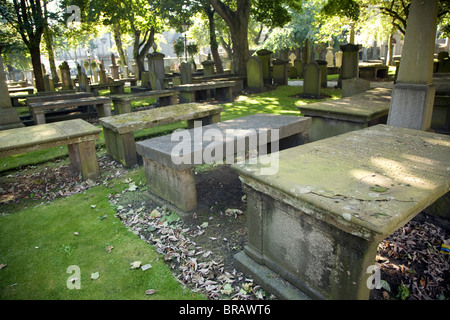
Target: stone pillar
(8, 115)
(413, 94)
(265, 57)
(329, 56)
(156, 65)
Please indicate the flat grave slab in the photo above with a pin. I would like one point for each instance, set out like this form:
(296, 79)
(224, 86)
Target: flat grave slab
(319, 220)
(169, 160)
(77, 134)
(333, 117)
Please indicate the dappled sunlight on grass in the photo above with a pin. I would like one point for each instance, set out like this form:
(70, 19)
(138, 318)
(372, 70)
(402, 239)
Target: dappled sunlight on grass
(283, 100)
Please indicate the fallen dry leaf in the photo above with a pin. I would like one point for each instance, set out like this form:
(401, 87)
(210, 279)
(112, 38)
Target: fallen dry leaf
(135, 264)
(109, 249)
(3, 265)
(151, 291)
(423, 282)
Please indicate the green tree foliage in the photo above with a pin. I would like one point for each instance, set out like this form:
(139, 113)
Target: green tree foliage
(27, 18)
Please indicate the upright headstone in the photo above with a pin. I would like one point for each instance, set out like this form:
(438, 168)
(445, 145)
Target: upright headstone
(280, 71)
(66, 79)
(102, 73)
(312, 80)
(9, 118)
(350, 61)
(145, 80)
(413, 94)
(134, 70)
(125, 72)
(329, 57)
(323, 72)
(293, 73)
(338, 58)
(298, 64)
(292, 58)
(153, 80)
(255, 80)
(156, 65)
(265, 56)
(114, 68)
(83, 81)
(186, 73)
(443, 65)
(47, 82)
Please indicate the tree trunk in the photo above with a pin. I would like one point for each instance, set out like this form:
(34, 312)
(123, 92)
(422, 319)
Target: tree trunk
(240, 51)
(48, 39)
(237, 21)
(213, 40)
(140, 54)
(37, 66)
(51, 55)
(119, 46)
(390, 52)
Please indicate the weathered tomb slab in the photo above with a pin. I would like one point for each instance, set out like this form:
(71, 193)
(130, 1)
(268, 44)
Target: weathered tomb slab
(318, 221)
(77, 134)
(168, 162)
(333, 117)
(119, 129)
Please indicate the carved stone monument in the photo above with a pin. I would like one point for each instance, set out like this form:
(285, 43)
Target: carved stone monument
(8, 115)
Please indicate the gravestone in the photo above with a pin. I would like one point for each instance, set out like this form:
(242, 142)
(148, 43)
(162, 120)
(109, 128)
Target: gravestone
(114, 67)
(156, 65)
(312, 81)
(255, 80)
(145, 80)
(153, 80)
(293, 73)
(125, 72)
(208, 67)
(66, 80)
(323, 72)
(265, 57)
(102, 75)
(280, 71)
(9, 118)
(298, 64)
(48, 83)
(338, 58)
(186, 73)
(292, 58)
(350, 61)
(443, 65)
(329, 57)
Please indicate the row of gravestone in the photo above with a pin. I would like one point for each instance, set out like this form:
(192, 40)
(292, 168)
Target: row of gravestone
(315, 75)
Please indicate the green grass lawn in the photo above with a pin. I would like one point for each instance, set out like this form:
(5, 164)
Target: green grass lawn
(38, 243)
